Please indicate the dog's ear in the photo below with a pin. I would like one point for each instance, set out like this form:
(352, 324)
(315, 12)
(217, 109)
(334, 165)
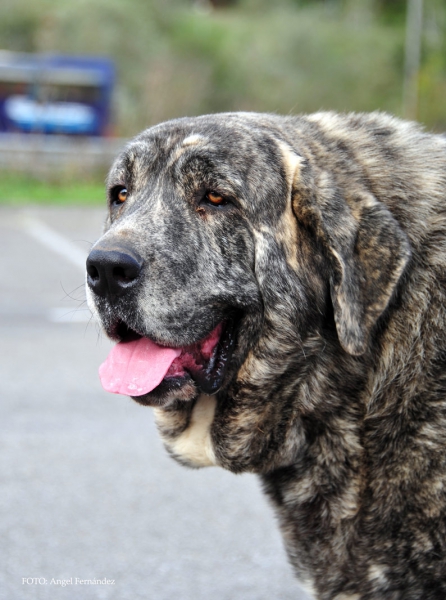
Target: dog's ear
(366, 248)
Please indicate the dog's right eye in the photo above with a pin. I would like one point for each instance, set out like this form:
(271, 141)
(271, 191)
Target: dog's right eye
(215, 199)
(119, 195)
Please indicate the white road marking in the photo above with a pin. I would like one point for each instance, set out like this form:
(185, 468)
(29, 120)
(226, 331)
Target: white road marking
(54, 241)
(58, 243)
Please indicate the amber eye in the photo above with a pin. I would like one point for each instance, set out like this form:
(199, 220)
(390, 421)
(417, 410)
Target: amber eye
(121, 196)
(215, 198)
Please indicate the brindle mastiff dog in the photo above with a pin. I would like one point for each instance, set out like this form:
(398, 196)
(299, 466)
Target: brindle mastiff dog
(277, 288)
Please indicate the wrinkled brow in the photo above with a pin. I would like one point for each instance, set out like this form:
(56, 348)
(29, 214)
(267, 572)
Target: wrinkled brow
(134, 163)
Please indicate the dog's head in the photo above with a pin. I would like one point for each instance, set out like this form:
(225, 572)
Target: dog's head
(227, 242)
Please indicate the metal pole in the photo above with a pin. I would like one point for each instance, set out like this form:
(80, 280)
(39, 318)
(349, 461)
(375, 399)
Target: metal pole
(414, 27)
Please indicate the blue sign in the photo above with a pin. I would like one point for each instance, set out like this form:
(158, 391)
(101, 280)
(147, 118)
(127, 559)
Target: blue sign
(55, 94)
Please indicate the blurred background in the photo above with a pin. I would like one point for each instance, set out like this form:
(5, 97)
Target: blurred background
(178, 57)
(86, 489)
(115, 67)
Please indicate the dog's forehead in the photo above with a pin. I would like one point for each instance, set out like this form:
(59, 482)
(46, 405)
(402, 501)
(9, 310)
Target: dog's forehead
(155, 153)
(237, 140)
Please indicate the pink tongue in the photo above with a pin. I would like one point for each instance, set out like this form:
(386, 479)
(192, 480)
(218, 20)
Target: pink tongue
(136, 368)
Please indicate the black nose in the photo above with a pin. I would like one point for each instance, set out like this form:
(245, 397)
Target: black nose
(111, 271)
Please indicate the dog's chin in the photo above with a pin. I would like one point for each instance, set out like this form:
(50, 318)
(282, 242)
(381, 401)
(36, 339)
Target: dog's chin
(170, 390)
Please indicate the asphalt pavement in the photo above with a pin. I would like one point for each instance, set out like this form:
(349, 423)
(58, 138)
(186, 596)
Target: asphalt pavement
(91, 506)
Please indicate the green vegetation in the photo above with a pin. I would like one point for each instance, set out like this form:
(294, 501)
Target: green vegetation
(178, 57)
(19, 190)
(189, 57)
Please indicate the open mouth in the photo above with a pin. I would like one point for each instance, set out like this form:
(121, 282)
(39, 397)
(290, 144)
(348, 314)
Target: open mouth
(151, 373)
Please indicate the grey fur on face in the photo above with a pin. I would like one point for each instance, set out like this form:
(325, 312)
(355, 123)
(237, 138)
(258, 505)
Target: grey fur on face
(327, 257)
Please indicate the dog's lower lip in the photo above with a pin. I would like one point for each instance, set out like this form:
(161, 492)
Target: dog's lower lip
(167, 387)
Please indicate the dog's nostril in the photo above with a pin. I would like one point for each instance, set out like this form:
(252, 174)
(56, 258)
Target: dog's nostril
(92, 272)
(122, 275)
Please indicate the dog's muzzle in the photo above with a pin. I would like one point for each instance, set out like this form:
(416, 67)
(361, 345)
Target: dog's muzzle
(112, 269)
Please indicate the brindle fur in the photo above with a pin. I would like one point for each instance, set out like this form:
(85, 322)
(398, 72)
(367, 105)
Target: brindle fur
(335, 254)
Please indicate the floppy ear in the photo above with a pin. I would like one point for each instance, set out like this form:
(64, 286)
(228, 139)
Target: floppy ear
(366, 248)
